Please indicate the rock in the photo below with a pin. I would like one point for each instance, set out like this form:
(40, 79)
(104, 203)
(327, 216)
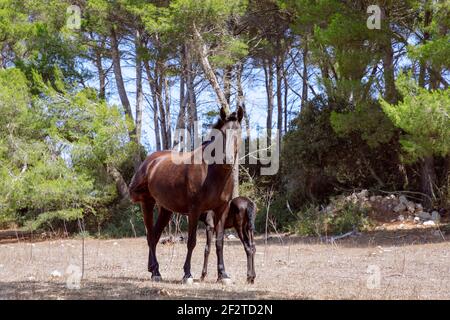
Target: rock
(401, 226)
(424, 215)
(373, 199)
(403, 200)
(401, 218)
(419, 207)
(435, 216)
(429, 223)
(416, 220)
(400, 207)
(410, 218)
(411, 206)
(56, 274)
(363, 194)
(231, 236)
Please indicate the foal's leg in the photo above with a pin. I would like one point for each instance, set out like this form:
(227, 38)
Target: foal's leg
(221, 214)
(246, 237)
(147, 206)
(163, 219)
(192, 240)
(209, 233)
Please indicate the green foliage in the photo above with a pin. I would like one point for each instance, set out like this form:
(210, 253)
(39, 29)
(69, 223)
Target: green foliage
(367, 120)
(125, 221)
(54, 149)
(345, 216)
(424, 116)
(48, 217)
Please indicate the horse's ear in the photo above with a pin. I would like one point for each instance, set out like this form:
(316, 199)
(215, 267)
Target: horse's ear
(223, 114)
(240, 114)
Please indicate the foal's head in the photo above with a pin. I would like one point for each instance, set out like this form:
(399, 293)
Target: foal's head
(230, 128)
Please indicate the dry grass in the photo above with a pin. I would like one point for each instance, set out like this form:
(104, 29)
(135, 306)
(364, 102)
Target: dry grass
(413, 264)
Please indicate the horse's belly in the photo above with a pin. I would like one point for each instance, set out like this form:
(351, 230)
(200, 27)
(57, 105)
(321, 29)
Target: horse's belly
(168, 186)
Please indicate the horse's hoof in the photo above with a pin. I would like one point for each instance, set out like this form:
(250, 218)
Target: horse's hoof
(250, 280)
(202, 278)
(156, 278)
(225, 281)
(188, 281)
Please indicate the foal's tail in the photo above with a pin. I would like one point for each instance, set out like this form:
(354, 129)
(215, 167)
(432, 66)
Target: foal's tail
(251, 215)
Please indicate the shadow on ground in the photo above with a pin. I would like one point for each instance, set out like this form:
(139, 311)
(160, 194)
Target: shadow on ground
(106, 288)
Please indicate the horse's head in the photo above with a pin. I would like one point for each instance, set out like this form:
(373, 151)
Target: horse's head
(230, 127)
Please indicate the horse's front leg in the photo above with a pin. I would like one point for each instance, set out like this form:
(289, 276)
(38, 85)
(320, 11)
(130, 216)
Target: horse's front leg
(222, 214)
(192, 241)
(209, 234)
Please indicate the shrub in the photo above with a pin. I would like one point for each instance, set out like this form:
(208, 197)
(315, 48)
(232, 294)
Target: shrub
(340, 216)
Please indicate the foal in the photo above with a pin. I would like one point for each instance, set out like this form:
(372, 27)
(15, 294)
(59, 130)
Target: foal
(241, 216)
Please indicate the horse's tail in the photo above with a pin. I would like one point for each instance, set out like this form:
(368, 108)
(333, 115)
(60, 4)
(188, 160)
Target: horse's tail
(251, 214)
(139, 183)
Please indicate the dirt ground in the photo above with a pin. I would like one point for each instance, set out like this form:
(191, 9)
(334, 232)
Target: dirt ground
(402, 264)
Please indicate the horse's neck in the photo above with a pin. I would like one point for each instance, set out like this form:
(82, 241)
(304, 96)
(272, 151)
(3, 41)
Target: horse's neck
(221, 171)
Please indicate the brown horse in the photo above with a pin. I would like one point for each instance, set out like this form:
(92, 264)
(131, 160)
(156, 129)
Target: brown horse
(241, 216)
(189, 187)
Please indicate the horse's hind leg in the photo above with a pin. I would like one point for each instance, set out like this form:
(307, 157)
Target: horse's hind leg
(192, 240)
(163, 219)
(147, 206)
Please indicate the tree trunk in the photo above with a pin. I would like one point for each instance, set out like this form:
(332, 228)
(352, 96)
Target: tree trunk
(139, 89)
(115, 54)
(192, 101)
(167, 111)
(151, 83)
(427, 172)
(202, 51)
(241, 98)
(390, 91)
(428, 180)
(279, 66)
(162, 112)
(268, 72)
(426, 37)
(101, 73)
(227, 83)
(121, 185)
(286, 93)
(305, 74)
(181, 120)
